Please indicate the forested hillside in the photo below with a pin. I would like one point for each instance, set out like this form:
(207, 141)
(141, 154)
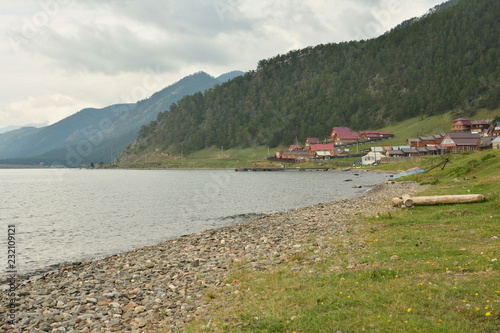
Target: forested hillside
(448, 60)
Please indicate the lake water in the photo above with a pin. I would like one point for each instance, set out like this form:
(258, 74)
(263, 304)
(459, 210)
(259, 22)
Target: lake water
(67, 215)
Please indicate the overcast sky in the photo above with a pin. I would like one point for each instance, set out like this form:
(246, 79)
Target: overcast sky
(60, 56)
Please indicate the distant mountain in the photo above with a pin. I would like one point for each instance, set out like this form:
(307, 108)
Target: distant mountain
(229, 76)
(447, 60)
(97, 135)
(15, 127)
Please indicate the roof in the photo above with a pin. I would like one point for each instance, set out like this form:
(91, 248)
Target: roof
(464, 121)
(348, 135)
(312, 140)
(295, 146)
(409, 150)
(428, 138)
(323, 146)
(497, 139)
(463, 138)
(481, 123)
(375, 153)
(395, 152)
(485, 142)
(374, 133)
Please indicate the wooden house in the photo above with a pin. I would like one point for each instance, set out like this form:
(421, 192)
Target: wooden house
(461, 125)
(413, 142)
(458, 142)
(486, 143)
(375, 135)
(430, 140)
(295, 155)
(342, 135)
(495, 144)
(294, 148)
(480, 127)
(311, 141)
(410, 151)
(494, 130)
(425, 141)
(325, 151)
(394, 153)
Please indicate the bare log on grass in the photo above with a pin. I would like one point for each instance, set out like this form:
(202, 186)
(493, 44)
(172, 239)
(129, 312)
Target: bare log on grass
(408, 201)
(396, 202)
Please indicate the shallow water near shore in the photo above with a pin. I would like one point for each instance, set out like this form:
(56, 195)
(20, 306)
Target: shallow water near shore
(67, 215)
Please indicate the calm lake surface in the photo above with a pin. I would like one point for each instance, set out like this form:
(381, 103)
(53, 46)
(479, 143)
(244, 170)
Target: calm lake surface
(67, 215)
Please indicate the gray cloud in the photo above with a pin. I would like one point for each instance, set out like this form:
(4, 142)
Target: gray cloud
(92, 52)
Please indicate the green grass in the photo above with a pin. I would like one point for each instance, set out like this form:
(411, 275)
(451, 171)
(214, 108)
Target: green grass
(429, 269)
(212, 157)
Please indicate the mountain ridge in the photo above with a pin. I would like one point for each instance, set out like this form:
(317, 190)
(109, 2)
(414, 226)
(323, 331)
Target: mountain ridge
(97, 134)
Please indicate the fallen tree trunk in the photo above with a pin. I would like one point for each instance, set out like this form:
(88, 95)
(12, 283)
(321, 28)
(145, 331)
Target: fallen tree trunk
(443, 199)
(438, 199)
(407, 200)
(396, 202)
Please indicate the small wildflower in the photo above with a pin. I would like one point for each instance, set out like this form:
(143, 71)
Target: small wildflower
(487, 314)
(408, 310)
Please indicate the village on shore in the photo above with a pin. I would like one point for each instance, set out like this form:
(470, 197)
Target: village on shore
(464, 136)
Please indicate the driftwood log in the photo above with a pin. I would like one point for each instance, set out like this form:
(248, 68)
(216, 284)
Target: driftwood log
(408, 201)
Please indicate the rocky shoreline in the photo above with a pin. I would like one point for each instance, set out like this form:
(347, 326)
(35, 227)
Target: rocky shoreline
(160, 288)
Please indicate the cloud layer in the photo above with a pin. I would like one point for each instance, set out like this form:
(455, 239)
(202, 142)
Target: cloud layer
(63, 55)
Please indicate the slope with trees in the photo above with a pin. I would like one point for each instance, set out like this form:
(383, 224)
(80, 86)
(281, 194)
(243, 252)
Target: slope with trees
(447, 60)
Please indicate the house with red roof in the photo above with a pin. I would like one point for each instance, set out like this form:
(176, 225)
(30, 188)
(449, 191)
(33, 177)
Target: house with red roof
(325, 151)
(461, 125)
(311, 141)
(342, 135)
(375, 135)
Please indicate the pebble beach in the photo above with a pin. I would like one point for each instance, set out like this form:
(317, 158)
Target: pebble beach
(161, 288)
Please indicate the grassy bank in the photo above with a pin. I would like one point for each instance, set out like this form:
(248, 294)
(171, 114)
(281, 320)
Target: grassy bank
(429, 269)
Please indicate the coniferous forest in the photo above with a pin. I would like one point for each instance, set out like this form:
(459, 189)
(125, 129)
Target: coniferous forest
(448, 60)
